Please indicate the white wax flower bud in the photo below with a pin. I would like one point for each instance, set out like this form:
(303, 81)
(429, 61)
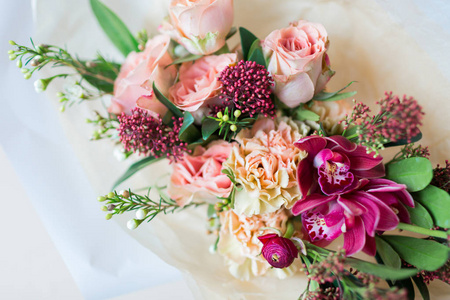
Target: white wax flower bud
(132, 224)
(40, 86)
(141, 214)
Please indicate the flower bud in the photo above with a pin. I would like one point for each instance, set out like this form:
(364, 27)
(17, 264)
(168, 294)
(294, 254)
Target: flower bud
(101, 199)
(237, 113)
(133, 224)
(12, 57)
(225, 118)
(12, 43)
(24, 70)
(104, 208)
(19, 64)
(220, 115)
(279, 252)
(180, 51)
(141, 214)
(27, 75)
(108, 216)
(40, 85)
(233, 128)
(11, 51)
(59, 94)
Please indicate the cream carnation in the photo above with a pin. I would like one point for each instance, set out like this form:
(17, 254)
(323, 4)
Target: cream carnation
(265, 165)
(331, 113)
(239, 244)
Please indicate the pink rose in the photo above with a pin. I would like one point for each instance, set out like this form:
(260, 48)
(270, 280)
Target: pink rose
(133, 85)
(200, 175)
(199, 82)
(298, 62)
(199, 25)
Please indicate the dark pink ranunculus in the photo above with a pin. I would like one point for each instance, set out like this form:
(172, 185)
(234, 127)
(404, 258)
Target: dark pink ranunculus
(279, 252)
(373, 205)
(334, 165)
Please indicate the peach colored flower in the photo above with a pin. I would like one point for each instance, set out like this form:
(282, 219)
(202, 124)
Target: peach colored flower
(298, 62)
(199, 25)
(239, 244)
(265, 165)
(199, 84)
(200, 175)
(331, 113)
(133, 85)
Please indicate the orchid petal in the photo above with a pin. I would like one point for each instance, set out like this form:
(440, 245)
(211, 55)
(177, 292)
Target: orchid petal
(355, 238)
(310, 202)
(360, 160)
(372, 217)
(375, 172)
(352, 207)
(341, 142)
(311, 144)
(305, 176)
(370, 248)
(388, 218)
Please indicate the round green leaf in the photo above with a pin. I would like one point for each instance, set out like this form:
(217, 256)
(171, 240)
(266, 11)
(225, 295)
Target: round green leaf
(415, 172)
(437, 202)
(423, 254)
(420, 216)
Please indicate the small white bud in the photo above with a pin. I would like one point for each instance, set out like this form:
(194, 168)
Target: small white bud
(40, 86)
(132, 224)
(141, 214)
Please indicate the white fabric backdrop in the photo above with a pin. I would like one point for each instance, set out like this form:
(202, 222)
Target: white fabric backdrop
(384, 45)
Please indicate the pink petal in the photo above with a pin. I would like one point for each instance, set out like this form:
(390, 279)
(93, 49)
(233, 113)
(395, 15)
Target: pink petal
(311, 144)
(388, 218)
(321, 157)
(355, 238)
(375, 172)
(352, 207)
(360, 160)
(305, 176)
(341, 142)
(310, 202)
(372, 216)
(383, 185)
(370, 248)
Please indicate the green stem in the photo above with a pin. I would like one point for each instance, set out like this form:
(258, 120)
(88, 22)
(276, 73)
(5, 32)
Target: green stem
(421, 230)
(289, 230)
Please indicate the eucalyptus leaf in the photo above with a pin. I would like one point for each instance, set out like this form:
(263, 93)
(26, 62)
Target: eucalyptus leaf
(188, 131)
(188, 120)
(401, 142)
(437, 202)
(380, 270)
(247, 39)
(114, 28)
(388, 255)
(422, 287)
(415, 172)
(175, 110)
(137, 166)
(424, 254)
(420, 216)
(209, 126)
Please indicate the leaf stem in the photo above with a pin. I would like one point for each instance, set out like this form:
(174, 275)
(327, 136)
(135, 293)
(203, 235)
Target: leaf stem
(424, 231)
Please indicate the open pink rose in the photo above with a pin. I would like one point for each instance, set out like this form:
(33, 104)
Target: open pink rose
(298, 62)
(200, 175)
(133, 85)
(199, 25)
(199, 83)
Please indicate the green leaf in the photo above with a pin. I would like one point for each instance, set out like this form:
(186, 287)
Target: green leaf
(388, 255)
(103, 68)
(114, 28)
(423, 254)
(222, 50)
(211, 212)
(258, 57)
(401, 142)
(175, 110)
(247, 39)
(422, 287)
(350, 133)
(407, 284)
(380, 270)
(437, 202)
(232, 32)
(137, 166)
(188, 131)
(415, 172)
(255, 45)
(420, 216)
(209, 126)
(190, 57)
(324, 96)
(304, 114)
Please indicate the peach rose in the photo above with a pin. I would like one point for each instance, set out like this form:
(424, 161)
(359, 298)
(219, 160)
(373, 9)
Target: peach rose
(239, 244)
(200, 175)
(331, 113)
(298, 62)
(199, 25)
(199, 83)
(133, 85)
(265, 164)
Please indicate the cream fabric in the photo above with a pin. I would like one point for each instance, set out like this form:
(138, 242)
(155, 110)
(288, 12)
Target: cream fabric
(384, 45)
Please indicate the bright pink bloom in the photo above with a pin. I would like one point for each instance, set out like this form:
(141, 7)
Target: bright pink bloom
(336, 164)
(279, 252)
(373, 205)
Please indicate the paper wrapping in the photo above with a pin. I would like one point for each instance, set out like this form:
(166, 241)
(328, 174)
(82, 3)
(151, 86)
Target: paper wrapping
(384, 46)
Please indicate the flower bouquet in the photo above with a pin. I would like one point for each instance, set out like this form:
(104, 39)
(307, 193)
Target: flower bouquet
(287, 176)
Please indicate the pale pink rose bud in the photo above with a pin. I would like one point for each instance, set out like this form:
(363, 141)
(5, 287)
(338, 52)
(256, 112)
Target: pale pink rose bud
(298, 62)
(199, 25)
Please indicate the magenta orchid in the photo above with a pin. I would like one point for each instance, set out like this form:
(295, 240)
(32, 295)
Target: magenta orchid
(336, 165)
(376, 205)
